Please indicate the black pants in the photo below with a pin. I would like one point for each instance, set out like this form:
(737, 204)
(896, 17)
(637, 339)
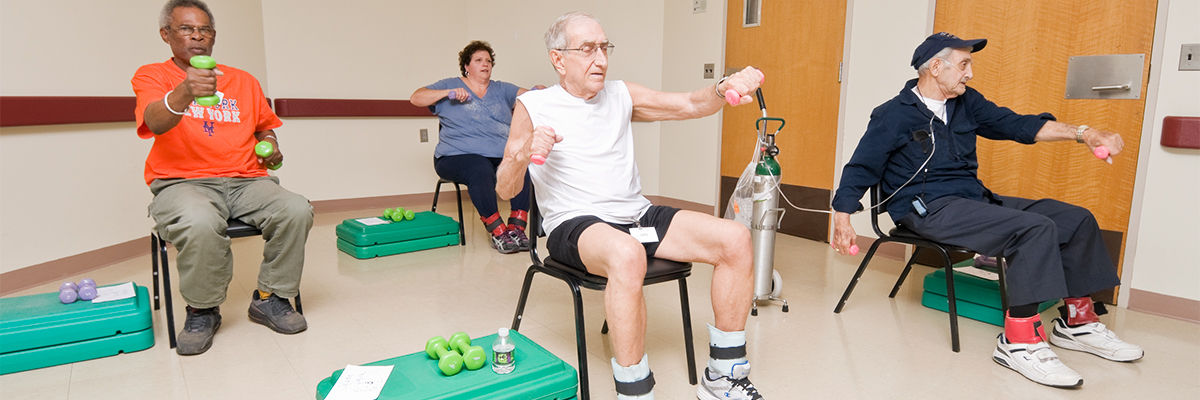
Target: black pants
(479, 174)
(1054, 249)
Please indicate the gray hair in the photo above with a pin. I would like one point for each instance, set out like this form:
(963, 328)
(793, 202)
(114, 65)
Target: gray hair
(941, 55)
(556, 36)
(164, 19)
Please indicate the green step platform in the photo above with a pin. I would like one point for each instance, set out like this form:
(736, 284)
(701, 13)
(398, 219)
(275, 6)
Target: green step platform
(38, 331)
(539, 376)
(977, 298)
(377, 237)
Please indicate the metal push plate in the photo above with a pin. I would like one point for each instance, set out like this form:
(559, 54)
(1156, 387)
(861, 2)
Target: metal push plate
(1114, 76)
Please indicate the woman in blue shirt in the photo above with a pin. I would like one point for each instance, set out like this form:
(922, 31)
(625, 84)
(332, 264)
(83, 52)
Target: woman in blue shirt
(474, 113)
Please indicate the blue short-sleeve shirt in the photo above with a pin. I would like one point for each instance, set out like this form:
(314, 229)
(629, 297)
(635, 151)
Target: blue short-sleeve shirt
(476, 126)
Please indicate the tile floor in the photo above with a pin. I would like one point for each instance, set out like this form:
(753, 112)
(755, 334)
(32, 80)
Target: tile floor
(361, 311)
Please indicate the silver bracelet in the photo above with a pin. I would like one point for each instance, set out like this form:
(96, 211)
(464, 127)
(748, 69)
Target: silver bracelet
(1079, 133)
(717, 87)
(168, 105)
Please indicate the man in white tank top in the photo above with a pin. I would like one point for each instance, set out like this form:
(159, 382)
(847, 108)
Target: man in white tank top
(589, 192)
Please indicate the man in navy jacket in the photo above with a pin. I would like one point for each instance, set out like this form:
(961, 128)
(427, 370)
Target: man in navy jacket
(920, 148)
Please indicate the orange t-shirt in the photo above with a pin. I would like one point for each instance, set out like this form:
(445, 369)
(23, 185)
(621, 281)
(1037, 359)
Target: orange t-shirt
(209, 141)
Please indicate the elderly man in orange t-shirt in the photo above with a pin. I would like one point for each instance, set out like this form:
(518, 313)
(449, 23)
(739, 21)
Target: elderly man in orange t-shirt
(202, 170)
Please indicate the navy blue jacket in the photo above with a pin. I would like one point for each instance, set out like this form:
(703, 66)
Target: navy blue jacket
(898, 141)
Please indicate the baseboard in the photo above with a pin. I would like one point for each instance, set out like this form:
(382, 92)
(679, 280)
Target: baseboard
(1164, 305)
(60, 269)
(892, 250)
(681, 204)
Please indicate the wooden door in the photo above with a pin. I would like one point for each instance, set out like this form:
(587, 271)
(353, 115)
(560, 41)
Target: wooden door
(798, 45)
(1024, 67)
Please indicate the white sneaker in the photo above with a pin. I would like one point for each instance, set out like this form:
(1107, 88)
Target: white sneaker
(1037, 362)
(1094, 338)
(714, 386)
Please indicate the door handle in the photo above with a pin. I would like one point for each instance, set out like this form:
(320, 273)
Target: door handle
(1112, 87)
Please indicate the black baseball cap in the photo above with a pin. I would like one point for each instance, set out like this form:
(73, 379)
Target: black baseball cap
(938, 41)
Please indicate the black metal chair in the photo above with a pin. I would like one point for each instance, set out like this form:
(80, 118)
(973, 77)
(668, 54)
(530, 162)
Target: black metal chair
(158, 251)
(657, 271)
(462, 235)
(902, 234)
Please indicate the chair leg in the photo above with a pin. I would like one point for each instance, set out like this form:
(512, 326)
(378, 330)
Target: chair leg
(580, 341)
(299, 309)
(166, 281)
(437, 191)
(907, 268)
(857, 274)
(462, 233)
(516, 324)
(1002, 265)
(154, 265)
(953, 302)
(604, 329)
(686, 310)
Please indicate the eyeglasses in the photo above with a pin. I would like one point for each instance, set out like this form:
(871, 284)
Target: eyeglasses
(589, 49)
(184, 30)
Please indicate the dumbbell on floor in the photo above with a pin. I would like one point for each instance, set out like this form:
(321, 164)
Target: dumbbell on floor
(449, 361)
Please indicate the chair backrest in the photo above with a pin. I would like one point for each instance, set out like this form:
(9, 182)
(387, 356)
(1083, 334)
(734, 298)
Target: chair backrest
(535, 227)
(876, 208)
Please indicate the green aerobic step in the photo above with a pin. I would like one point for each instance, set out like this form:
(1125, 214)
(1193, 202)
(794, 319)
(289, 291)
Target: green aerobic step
(539, 375)
(977, 298)
(375, 236)
(39, 331)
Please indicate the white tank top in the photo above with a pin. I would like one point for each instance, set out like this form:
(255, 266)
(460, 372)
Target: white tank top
(592, 170)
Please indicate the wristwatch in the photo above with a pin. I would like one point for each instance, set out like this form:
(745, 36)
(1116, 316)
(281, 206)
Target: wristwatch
(1079, 133)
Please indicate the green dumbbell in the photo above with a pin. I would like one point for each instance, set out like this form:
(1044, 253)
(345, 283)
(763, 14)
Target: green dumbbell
(265, 149)
(449, 361)
(409, 215)
(474, 357)
(394, 214)
(205, 62)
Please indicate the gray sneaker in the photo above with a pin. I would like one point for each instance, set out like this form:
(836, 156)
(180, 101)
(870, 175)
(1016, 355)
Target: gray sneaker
(276, 313)
(518, 236)
(198, 330)
(505, 243)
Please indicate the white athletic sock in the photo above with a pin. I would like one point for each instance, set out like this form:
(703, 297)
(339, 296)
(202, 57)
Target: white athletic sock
(632, 373)
(722, 339)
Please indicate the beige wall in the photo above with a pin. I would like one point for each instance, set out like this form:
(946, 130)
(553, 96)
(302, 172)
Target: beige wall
(1165, 220)
(69, 189)
(880, 38)
(91, 194)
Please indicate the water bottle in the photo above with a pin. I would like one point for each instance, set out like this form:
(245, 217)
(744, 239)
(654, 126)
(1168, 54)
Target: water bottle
(502, 353)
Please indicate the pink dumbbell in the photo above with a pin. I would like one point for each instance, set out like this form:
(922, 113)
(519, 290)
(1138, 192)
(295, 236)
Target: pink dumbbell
(733, 98)
(1101, 152)
(537, 159)
(854, 250)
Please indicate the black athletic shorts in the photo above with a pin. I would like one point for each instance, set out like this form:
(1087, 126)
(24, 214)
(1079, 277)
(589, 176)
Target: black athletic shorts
(564, 241)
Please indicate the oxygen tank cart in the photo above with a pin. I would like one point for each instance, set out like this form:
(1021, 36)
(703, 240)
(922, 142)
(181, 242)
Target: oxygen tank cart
(766, 213)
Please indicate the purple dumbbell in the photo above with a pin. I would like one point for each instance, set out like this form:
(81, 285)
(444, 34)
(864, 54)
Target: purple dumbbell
(68, 286)
(67, 296)
(88, 293)
(87, 282)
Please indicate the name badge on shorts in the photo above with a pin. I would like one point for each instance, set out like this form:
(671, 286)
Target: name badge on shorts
(644, 234)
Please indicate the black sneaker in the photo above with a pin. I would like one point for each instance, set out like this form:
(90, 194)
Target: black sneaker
(276, 313)
(198, 330)
(505, 243)
(518, 236)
